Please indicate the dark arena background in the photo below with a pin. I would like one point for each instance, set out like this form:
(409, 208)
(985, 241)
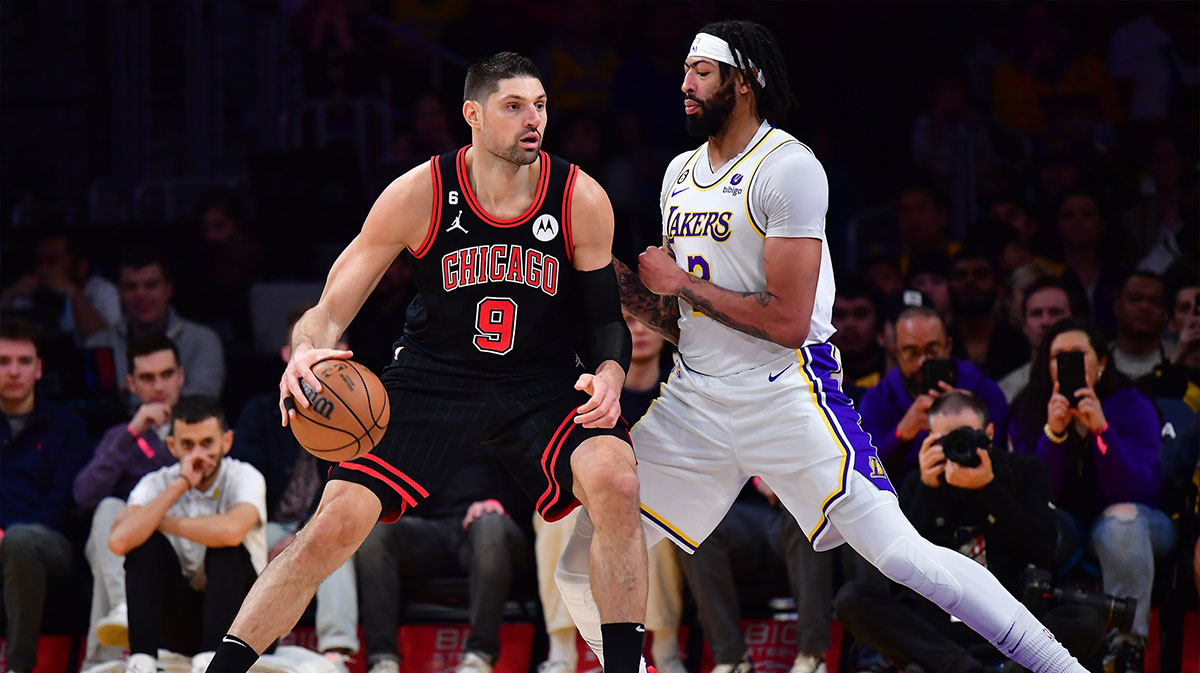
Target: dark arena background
(205, 161)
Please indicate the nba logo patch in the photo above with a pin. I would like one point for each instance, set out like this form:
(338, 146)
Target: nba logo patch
(545, 228)
(1048, 634)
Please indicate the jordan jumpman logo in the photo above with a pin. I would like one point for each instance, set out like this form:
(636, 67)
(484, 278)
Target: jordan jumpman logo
(456, 224)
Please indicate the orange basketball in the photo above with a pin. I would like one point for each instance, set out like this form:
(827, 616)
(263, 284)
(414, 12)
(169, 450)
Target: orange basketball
(347, 418)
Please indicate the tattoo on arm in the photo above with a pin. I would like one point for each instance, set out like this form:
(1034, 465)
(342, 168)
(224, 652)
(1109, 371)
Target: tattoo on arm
(660, 314)
(707, 308)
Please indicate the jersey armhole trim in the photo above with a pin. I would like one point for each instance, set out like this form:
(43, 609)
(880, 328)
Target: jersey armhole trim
(762, 230)
(436, 215)
(566, 214)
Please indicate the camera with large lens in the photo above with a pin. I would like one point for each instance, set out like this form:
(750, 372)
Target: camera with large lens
(960, 444)
(1038, 593)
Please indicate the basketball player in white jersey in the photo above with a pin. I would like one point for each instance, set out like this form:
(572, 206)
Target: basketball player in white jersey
(757, 387)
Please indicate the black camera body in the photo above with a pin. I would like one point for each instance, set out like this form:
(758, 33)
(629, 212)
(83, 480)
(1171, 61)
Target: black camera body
(960, 444)
(1039, 594)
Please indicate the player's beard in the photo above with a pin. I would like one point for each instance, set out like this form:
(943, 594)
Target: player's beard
(519, 156)
(713, 114)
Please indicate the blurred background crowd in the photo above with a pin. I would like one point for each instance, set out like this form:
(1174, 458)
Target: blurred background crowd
(1008, 181)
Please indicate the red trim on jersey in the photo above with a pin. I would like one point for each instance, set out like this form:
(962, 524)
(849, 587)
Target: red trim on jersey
(394, 486)
(566, 214)
(548, 460)
(464, 181)
(388, 466)
(436, 215)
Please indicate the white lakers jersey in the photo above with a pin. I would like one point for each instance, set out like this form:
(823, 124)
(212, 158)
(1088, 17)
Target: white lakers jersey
(717, 222)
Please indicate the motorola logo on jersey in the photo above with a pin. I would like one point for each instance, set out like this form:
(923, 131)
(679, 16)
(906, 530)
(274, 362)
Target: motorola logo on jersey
(545, 227)
(500, 264)
(711, 224)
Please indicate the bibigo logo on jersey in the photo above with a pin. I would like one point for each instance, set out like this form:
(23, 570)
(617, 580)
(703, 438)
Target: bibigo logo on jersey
(545, 228)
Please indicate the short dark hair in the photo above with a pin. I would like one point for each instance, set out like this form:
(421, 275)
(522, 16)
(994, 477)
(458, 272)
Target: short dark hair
(198, 408)
(16, 329)
(150, 343)
(484, 75)
(955, 401)
(855, 287)
(1144, 274)
(922, 312)
(1075, 297)
(1181, 275)
(754, 42)
(935, 195)
(142, 256)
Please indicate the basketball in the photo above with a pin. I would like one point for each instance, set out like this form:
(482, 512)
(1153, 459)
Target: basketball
(347, 418)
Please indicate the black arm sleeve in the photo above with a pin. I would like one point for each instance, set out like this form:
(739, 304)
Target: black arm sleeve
(608, 335)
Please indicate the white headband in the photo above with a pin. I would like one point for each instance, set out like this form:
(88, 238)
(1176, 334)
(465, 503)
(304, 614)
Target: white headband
(710, 46)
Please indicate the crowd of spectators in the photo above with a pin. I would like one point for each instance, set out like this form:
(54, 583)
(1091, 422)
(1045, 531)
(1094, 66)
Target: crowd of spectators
(1039, 197)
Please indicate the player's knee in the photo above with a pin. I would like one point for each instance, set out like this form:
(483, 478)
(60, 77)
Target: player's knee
(910, 562)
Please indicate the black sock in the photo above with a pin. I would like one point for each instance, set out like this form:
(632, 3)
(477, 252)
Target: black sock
(233, 656)
(622, 642)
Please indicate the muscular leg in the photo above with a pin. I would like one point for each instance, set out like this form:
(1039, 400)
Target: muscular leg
(345, 516)
(954, 582)
(605, 482)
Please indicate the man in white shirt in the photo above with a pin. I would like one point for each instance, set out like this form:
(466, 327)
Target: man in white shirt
(193, 537)
(1141, 312)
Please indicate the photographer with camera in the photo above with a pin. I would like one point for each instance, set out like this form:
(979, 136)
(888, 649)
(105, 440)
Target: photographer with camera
(896, 412)
(992, 506)
(1100, 439)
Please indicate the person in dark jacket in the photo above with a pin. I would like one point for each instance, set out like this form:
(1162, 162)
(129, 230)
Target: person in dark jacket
(896, 412)
(1103, 455)
(468, 527)
(999, 514)
(126, 453)
(42, 446)
(295, 479)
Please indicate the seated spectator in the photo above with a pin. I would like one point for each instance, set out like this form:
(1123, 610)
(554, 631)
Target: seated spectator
(80, 301)
(1157, 217)
(1019, 235)
(386, 305)
(1140, 310)
(145, 285)
(922, 219)
(42, 446)
(1103, 455)
(858, 319)
(979, 333)
(1046, 301)
(215, 288)
(664, 603)
(998, 513)
(465, 527)
(1082, 232)
(882, 272)
(295, 479)
(1179, 378)
(193, 539)
(896, 412)
(929, 274)
(755, 533)
(126, 453)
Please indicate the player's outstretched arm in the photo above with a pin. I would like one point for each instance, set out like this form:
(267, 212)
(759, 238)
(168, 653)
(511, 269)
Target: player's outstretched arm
(659, 313)
(399, 219)
(609, 342)
(781, 313)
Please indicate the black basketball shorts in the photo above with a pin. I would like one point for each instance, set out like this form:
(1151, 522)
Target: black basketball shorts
(442, 413)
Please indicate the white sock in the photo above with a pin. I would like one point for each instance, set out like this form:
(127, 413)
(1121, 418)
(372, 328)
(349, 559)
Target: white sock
(562, 647)
(1032, 645)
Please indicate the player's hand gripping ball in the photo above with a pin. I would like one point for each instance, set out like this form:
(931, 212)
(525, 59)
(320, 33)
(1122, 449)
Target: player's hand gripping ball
(347, 418)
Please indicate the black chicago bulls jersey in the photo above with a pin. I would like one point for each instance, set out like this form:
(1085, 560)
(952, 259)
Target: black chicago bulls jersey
(496, 294)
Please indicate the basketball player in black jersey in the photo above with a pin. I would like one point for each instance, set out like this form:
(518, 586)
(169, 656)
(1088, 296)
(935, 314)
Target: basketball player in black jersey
(510, 250)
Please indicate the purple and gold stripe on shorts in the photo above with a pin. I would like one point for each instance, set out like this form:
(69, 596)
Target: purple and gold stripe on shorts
(820, 366)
